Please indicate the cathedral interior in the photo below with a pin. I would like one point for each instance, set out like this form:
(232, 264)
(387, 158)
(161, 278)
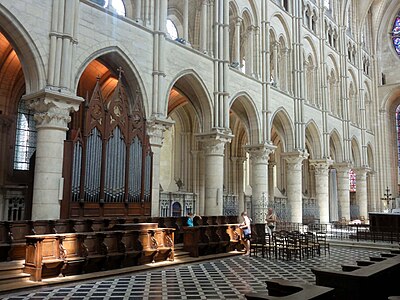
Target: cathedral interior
(127, 111)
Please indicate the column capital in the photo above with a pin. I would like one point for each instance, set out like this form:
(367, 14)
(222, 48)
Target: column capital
(321, 166)
(52, 107)
(362, 172)
(156, 127)
(214, 142)
(295, 159)
(260, 152)
(343, 167)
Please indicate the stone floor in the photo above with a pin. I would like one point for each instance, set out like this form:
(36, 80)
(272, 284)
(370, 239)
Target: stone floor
(227, 278)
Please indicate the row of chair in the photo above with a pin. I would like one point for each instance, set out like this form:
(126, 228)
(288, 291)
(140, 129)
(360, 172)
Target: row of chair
(288, 245)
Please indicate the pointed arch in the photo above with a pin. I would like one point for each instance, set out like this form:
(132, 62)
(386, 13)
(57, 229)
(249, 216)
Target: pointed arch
(284, 26)
(356, 153)
(194, 89)
(26, 49)
(282, 128)
(244, 107)
(336, 149)
(114, 57)
(313, 140)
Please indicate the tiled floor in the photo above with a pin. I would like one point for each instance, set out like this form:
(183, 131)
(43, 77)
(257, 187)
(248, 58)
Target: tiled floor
(228, 278)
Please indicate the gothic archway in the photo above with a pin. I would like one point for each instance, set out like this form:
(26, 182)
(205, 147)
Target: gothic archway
(108, 160)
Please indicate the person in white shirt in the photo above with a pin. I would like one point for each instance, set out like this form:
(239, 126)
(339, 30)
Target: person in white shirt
(246, 227)
(271, 220)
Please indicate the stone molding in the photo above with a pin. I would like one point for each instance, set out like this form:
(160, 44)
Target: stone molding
(259, 154)
(321, 166)
(155, 128)
(214, 142)
(343, 168)
(295, 159)
(52, 107)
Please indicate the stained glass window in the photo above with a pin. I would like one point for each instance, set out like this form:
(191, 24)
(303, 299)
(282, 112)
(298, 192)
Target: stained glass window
(396, 35)
(352, 175)
(398, 137)
(25, 138)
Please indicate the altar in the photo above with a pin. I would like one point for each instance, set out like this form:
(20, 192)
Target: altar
(384, 222)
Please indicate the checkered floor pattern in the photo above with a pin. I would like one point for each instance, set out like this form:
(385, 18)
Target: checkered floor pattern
(228, 278)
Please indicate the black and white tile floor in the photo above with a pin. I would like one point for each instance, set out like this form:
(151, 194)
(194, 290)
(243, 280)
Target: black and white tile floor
(228, 278)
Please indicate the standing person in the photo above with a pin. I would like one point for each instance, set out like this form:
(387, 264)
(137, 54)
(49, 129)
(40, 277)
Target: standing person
(190, 219)
(246, 226)
(271, 220)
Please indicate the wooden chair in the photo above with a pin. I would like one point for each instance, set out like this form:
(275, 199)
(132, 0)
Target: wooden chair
(321, 240)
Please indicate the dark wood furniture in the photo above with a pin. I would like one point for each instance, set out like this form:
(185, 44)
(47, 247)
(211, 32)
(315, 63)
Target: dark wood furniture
(377, 280)
(384, 222)
(287, 290)
(211, 239)
(50, 255)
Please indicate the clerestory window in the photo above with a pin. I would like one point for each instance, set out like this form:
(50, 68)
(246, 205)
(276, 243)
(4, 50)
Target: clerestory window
(171, 29)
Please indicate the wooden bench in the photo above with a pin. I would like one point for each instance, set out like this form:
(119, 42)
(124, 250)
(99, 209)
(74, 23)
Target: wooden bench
(44, 256)
(74, 253)
(375, 281)
(211, 239)
(287, 290)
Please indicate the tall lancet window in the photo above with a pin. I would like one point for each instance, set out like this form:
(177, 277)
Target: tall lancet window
(25, 137)
(398, 138)
(396, 34)
(352, 175)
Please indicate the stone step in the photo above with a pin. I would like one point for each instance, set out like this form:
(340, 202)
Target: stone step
(13, 278)
(11, 267)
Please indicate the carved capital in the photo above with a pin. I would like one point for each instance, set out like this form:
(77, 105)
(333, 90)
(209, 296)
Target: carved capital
(295, 159)
(155, 129)
(343, 169)
(52, 107)
(321, 166)
(361, 173)
(214, 142)
(260, 153)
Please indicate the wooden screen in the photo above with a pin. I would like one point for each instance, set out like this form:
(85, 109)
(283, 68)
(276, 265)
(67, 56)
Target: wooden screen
(108, 160)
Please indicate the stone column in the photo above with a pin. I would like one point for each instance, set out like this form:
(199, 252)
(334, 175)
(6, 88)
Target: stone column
(343, 182)
(371, 191)
(240, 186)
(186, 21)
(259, 156)
(52, 109)
(361, 192)
(213, 145)
(275, 62)
(238, 24)
(250, 51)
(271, 181)
(321, 168)
(155, 130)
(138, 11)
(294, 184)
(203, 25)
